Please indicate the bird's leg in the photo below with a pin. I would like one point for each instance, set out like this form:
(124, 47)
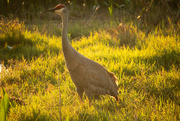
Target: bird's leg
(89, 95)
(80, 92)
(96, 97)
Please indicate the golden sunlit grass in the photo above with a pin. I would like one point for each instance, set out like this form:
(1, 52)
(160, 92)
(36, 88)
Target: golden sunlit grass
(147, 68)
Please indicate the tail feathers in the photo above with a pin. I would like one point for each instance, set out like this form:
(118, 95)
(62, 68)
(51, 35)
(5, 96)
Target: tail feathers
(112, 75)
(116, 97)
(114, 90)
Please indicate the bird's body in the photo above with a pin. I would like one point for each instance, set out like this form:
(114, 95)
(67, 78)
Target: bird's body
(88, 76)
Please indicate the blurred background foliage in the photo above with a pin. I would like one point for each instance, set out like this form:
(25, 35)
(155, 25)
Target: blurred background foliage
(17, 6)
(148, 13)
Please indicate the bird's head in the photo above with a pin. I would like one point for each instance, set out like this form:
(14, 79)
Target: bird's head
(59, 9)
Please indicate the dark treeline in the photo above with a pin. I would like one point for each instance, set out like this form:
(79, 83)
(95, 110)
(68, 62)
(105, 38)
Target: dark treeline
(17, 6)
(150, 13)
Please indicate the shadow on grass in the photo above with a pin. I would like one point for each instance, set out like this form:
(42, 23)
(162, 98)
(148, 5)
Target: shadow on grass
(166, 93)
(165, 59)
(14, 45)
(23, 49)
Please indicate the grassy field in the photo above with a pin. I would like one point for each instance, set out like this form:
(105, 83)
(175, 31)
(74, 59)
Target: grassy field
(39, 86)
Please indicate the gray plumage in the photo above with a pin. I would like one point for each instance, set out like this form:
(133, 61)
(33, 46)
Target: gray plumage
(88, 76)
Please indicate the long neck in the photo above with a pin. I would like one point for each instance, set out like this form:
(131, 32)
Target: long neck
(65, 42)
(68, 50)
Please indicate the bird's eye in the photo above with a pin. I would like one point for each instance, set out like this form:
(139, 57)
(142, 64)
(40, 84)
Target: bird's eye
(59, 6)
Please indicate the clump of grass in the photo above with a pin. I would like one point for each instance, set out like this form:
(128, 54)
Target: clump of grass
(11, 33)
(126, 35)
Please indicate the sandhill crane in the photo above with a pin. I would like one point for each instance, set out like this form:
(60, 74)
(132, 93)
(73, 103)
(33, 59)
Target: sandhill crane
(88, 76)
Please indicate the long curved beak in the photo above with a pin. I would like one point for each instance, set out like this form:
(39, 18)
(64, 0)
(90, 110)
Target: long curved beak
(49, 10)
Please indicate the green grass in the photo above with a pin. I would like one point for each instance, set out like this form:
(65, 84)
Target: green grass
(147, 68)
(4, 106)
